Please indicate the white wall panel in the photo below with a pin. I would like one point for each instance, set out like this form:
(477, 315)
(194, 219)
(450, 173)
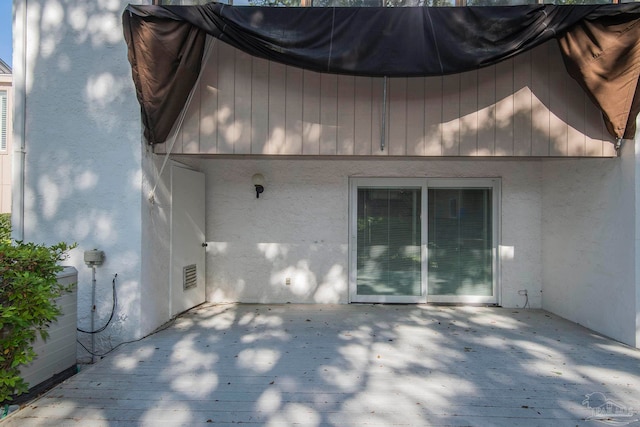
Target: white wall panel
(588, 243)
(57, 353)
(83, 176)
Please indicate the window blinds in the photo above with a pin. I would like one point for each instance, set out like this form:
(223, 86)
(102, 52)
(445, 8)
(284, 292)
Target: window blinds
(389, 241)
(460, 241)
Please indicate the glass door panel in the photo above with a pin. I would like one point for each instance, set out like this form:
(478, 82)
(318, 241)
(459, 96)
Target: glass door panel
(389, 236)
(461, 242)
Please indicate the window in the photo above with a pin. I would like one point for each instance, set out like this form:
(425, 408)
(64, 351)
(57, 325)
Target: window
(4, 116)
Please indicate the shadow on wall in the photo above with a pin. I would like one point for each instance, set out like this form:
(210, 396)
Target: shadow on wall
(524, 106)
(280, 272)
(82, 133)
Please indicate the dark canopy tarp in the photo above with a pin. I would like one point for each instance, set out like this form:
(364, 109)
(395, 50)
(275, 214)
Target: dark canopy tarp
(600, 46)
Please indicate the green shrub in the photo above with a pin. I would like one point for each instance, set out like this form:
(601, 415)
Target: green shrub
(28, 287)
(5, 226)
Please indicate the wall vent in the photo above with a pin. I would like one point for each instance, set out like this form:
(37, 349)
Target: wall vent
(189, 277)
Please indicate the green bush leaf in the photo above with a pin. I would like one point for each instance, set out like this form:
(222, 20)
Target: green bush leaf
(28, 289)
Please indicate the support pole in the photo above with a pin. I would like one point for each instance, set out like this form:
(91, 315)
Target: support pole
(93, 313)
(383, 131)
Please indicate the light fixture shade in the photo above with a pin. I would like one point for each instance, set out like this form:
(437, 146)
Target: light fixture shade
(258, 179)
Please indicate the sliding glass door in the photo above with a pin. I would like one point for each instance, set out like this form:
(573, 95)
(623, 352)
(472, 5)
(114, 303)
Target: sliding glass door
(462, 242)
(388, 235)
(418, 240)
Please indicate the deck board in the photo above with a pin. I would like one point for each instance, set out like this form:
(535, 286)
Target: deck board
(349, 365)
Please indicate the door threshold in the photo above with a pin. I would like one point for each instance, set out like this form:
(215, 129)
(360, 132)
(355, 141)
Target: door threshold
(440, 304)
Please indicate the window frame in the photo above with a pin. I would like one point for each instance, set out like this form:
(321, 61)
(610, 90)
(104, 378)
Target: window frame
(4, 120)
(426, 183)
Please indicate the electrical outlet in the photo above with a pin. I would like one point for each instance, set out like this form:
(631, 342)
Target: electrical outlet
(287, 281)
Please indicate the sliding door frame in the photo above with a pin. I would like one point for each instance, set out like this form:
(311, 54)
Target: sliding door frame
(469, 183)
(385, 183)
(424, 184)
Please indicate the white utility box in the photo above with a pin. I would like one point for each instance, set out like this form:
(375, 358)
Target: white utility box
(58, 353)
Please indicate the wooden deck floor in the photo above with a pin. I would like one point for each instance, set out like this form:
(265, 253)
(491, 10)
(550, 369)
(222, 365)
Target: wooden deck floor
(353, 365)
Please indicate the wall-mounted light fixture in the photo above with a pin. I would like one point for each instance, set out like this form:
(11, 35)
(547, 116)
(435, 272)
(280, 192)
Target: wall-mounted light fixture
(258, 182)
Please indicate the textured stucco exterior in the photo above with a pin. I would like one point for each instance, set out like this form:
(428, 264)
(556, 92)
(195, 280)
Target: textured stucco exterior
(156, 215)
(635, 284)
(589, 242)
(299, 227)
(78, 119)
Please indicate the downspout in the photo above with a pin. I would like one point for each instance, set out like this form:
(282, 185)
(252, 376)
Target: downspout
(19, 128)
(383, 130)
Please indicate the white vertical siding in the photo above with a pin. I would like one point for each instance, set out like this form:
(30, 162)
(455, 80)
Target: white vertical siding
(58, 352)
(524, 106)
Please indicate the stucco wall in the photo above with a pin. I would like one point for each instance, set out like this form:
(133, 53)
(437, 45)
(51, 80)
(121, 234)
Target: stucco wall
(83, 151)
(636, 258)
(156, 216)
(298, 228)
(588, 244)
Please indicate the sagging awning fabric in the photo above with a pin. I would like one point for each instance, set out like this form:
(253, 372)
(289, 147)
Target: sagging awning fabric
(600, 45)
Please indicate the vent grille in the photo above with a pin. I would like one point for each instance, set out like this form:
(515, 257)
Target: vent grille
(189, 277)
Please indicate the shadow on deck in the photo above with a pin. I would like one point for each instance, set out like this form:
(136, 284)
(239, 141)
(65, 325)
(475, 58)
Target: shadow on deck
(352, 365)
